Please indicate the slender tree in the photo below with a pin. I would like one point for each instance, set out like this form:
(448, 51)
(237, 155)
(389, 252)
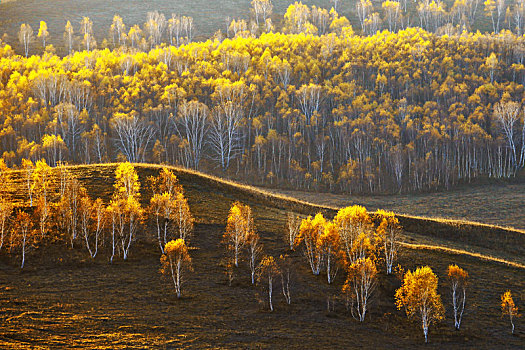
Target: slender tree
(359, 285)
(458, 279)
(254, 251)
(389, 231)
(268, 270)
(175, 261)
(509, 308)
(26, 36)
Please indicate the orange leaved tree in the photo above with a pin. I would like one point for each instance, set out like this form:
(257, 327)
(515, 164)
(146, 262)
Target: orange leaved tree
(355, 229)
(125, 209)
(389, 231)
(22, 233)
(170, 208)
(310, 233)
(458, 279)
(359, 285)
(6, 208)
(418, 295)
(293, 224)
(239, 224)
(268, 270)
(509, 308)
(330, 245)
(175, 261)
(254, 246)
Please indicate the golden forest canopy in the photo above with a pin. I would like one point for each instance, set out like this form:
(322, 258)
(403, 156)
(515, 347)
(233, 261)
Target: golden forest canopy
(395, 111)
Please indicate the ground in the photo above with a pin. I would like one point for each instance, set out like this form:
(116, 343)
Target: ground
(63, 299)
(495, 203)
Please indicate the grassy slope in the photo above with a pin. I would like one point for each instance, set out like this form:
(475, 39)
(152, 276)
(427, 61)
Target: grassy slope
(71, 301)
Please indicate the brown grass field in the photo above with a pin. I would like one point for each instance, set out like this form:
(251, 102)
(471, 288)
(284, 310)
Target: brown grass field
(63, 299)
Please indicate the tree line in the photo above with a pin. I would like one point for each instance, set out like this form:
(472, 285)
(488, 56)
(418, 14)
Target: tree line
(406, 110)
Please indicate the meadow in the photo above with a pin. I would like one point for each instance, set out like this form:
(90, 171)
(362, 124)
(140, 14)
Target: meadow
(209, 16)
(64, 299)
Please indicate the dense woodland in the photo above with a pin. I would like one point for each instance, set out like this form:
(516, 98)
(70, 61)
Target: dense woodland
(313, 104)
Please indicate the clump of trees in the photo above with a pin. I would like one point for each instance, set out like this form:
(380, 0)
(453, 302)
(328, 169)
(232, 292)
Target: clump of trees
(170, 208)
(270, 106)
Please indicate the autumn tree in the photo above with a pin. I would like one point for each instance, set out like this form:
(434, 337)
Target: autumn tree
(6, 209)
(125, 208)
(192, 126)
(285, 270)
(267, 272)
(239, 224)
(183, 218)
(22, 233)
(458, 279)
(133, 136)
(293, 224)
(170, 208)
(40, 185)
(254, 248)
(508, 114)
(310, 233)
(69, 37)
(175, 260)
(155, 25)
(43, 33)
(92, 218)
(118, 31)
(26, 37)
(86, 29)
(354, 226)
(330, 244)
(262, 9)
(359, 285)
(389, 230)
(509, 308)
(418, 295)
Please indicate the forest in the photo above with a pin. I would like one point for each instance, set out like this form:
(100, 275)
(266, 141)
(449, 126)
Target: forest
(313, 104)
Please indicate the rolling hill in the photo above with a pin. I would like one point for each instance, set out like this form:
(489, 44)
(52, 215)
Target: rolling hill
(63, 299)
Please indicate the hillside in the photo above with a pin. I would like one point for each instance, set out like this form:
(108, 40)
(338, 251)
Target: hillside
(63, 299)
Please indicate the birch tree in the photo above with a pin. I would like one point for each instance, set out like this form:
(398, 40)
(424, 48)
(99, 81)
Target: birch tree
(26, 36)
(389, 230)
(509, 308)
(458, 279)
(133, 136)
(418, 295)
(175, 261)
(359, 285)
(69, 37)
(43, 33)
(239, 224)
(86, 29)
(508, 115)
(192, 126)
(125, 207)
(6, 209)
(285, 270)
(330, 245)
(254, 251)
(291, 234)
(268, 270)
(310, 233)
(22, 233)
